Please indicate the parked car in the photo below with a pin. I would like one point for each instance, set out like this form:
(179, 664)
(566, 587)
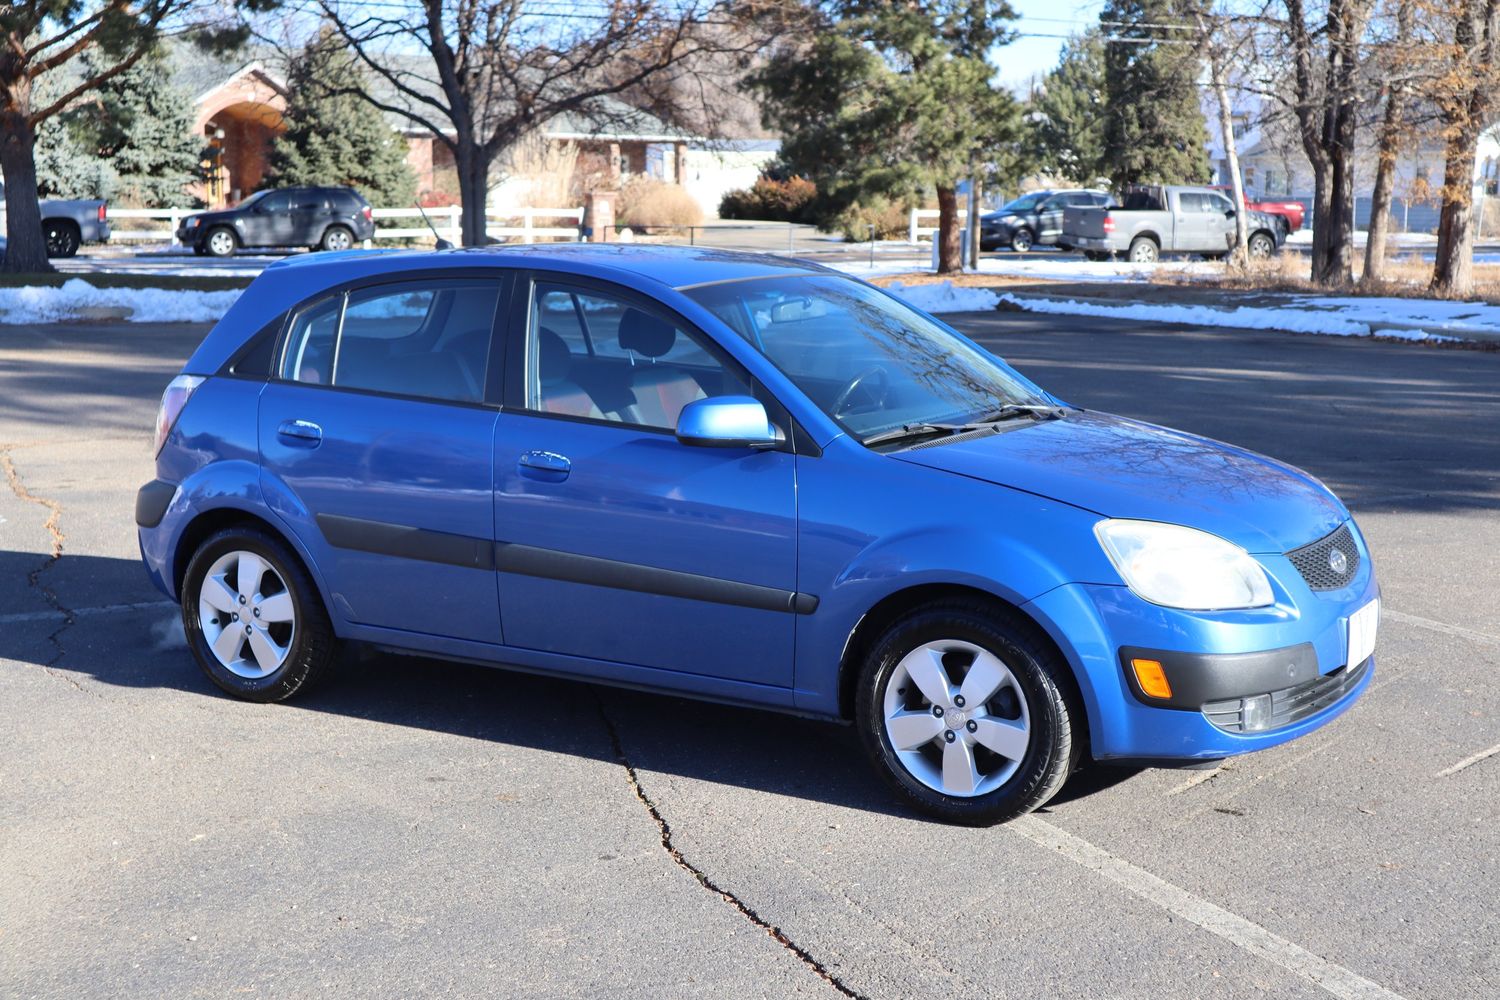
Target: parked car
(1173, 219)
(320, 218)
(67, 224)
(748, 479)
(1291, 213)
(1034, 219)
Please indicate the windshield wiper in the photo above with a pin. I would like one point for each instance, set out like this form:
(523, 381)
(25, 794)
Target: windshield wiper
(1038, 411)
(920, 430)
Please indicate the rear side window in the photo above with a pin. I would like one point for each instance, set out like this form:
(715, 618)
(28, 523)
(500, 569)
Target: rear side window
(307, 201)
(429, 339)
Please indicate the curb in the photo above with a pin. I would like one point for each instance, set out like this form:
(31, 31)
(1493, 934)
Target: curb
(1465, 333)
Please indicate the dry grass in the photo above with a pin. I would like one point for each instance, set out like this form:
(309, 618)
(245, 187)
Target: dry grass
(1405, 277)
(959, 280)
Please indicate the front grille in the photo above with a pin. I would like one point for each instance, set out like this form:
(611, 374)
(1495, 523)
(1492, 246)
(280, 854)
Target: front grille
(1312, 561)
(1288, 705)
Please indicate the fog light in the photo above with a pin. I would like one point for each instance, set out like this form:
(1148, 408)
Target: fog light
(1255, 713)
(1151, 678)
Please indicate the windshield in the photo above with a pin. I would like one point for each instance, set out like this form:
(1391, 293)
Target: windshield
(1025, 202)
(869, 361)
(257, 196)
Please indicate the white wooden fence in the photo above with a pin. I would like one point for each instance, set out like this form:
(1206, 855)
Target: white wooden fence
(915, 230)
(444, 220)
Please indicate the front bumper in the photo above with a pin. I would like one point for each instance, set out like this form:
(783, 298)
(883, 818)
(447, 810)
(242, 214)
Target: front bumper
(1293, 654)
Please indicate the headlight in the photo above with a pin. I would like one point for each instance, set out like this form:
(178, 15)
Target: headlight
(190, 222)
(1180, 567)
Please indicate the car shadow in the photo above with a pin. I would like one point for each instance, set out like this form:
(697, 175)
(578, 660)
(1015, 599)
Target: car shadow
(135, 641)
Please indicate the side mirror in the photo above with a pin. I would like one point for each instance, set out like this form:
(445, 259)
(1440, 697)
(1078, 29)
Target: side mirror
(727, 422)
(1229, 213)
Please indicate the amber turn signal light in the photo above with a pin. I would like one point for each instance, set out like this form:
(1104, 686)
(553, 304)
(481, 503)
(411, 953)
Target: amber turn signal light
(1151, 678)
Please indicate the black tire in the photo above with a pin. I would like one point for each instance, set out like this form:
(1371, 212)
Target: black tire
(1040, 672)
(1261, 246)
(1098, 255)
(199, 250)
(1143, 250)
(334, 237)
(220, 247)
(1021, 241)
(63, 237)
(314, 647)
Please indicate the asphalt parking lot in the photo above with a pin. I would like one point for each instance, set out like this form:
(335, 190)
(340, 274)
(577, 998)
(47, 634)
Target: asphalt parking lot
(426, 829)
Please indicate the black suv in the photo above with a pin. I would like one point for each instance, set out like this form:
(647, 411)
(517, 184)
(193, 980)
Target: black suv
(326, 218)
(1034, 219)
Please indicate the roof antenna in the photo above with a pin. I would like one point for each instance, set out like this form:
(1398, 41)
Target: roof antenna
(442, 244)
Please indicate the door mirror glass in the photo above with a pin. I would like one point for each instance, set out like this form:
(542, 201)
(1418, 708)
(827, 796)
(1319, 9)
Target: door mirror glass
(727, 422)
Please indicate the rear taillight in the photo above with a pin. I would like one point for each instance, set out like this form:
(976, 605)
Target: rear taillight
(179, 391)
(1109, 224)
(369, 214)
(102, 211)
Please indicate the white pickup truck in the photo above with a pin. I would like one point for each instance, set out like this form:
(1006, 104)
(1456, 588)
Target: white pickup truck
(1157, 219)
(67, 225)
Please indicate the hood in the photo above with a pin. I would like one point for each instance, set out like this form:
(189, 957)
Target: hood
(1124, 468)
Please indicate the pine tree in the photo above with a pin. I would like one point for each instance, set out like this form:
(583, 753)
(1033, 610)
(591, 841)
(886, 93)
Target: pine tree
(1154, 130)
(891, 101)
(333, 136)
(1065, 124)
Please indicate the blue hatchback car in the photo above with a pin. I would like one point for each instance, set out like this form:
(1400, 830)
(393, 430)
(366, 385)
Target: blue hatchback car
(747, 479)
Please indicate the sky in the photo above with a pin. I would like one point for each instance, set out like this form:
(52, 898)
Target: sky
(1035, 53)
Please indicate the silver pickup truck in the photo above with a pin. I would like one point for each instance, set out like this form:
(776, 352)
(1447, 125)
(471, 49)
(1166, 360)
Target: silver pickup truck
(66, 224)
(1154, 220)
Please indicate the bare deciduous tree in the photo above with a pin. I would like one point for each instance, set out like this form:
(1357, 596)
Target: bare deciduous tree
(481, 74)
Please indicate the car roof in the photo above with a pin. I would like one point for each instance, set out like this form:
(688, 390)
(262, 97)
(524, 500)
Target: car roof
(670, 265)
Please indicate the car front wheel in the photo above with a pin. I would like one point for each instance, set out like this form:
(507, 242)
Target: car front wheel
(1020, 240)
(1261, 246)
(253, 618)
(221, 242)
(961, 708)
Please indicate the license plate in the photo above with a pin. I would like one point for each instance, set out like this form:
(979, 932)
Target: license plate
(1362, 626)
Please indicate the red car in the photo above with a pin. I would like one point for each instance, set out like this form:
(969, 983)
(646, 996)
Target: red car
(1291, 211)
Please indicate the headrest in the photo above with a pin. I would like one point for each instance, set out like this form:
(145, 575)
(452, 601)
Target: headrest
(553, 357)
(645, 334)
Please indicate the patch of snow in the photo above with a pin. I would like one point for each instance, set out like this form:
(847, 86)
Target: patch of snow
(1294, 318)
(1050, 268)
(77, 299)
(946, 297)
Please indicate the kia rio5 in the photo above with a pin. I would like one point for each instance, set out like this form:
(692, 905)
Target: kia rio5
(746, 479)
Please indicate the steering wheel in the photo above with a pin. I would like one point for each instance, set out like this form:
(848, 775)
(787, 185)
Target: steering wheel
(842, 400)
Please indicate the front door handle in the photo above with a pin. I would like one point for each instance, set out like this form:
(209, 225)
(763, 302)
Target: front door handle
(300, 432)
(547, 466)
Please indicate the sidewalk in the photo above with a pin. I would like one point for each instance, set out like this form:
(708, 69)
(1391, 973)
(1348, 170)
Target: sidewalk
(1414, 319)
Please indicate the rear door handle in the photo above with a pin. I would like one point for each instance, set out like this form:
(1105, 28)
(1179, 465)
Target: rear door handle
(300, 432)
(547, 466)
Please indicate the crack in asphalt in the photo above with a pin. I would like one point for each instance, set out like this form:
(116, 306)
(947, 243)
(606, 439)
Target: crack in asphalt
(698, 874)
(53, 527)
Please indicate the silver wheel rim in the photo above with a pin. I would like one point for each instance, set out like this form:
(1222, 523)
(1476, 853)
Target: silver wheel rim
(1143, 254)
(1021, 243)
(221, 243)
(956, 718)
(1259, 248)
(247, 616)
(338, 240)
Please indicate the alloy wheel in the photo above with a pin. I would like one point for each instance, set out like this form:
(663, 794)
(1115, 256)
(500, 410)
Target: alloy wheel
(338, 239)
(956, 718)
(247, 614)
(221, 243)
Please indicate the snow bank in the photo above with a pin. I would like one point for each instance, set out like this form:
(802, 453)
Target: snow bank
(77, 299)
(1293, 317)
(946, 297)
(1057, 268)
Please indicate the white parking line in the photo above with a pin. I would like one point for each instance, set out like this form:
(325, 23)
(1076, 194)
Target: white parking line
(1437, 626)
(1238, 931)
(1481, 755)
(103, 609)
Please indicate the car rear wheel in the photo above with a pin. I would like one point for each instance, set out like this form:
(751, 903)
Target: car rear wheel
(1261, 246)
(253, 618)
(1020, 240)
(221, 242)
(1097, 255)
(337, 238)
(1143, 250)
(63, 238)
(962, 710)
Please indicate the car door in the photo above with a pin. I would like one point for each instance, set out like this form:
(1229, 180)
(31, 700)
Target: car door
(376, 440)
(1189, 223)
(1049, 218)
(615, 541)
(1219, 227)
(265, 221)
(309, 214)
